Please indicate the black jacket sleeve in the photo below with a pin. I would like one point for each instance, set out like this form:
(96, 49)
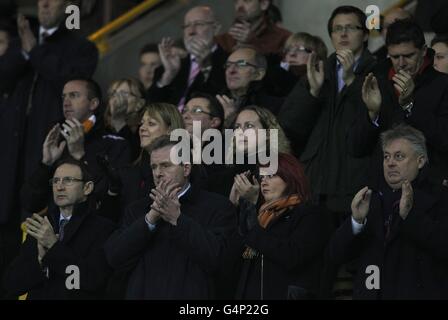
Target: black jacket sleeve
(35, 193)
(303, 245)
(206, 244)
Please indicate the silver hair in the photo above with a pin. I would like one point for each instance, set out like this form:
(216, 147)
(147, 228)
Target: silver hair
(414, 136)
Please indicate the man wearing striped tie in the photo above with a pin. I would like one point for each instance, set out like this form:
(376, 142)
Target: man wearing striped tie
(202, 70)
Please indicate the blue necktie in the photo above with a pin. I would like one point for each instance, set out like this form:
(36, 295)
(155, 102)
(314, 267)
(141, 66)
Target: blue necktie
(62, 224)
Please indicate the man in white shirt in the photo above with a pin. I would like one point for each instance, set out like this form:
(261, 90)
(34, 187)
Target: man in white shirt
(398, 234)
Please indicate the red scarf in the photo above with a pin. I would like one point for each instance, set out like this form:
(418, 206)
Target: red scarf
(425, 64)
(269, 213)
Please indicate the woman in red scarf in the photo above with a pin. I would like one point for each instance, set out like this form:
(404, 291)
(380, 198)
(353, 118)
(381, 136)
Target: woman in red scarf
(284, 240)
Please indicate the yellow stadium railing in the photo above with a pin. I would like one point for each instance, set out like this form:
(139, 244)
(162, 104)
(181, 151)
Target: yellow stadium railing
(100, 37)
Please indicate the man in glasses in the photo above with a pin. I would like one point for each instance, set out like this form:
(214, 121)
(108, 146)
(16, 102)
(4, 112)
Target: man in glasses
(82, 135)
(64, 240)
(253, 27)
(204, 109)
(316, 114)
(201, 70)
(245, 70)
(404, 89)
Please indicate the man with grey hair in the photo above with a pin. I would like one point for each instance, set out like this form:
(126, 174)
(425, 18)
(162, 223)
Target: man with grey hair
(398, 234)
(245, 69)
(201, 70)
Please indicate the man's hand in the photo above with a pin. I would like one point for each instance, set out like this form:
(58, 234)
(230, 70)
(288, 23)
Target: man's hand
(240, 31)
(26, 35)
(227, 104)
(247, 189)
(51, 150)
(405, 85)
(347, 60)
(41, 252)
(166, 202)
(202, 51)
(407, 199)
(41, 230)
(170, 61)
(74, 134)
(360, 205)
(315, 74)
(371, 96)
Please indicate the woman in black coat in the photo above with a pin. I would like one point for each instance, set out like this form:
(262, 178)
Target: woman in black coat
(282, 242)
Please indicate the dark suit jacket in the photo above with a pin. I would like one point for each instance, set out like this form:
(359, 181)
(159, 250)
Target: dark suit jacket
(429, 115)
(178, 88)
(82, 246)
(413, 260)
(173, 262)
(63, 56)
(318, 128)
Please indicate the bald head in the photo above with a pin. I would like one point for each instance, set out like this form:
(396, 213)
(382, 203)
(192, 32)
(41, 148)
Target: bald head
(199, 26)
(392, 16)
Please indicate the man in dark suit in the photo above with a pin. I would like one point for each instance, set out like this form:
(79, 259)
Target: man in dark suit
(62, 256)
(398, 233)
(37, 64)
(171, 244)
(403, 89)
(202, 70)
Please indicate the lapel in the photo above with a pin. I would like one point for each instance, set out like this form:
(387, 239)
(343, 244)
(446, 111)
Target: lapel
(80, 213)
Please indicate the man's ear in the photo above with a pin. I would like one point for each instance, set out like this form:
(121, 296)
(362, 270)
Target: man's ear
(94, 104)
(264, 5)
(88, 188)
(421, 161)
(259, 74)
(187, 169)
(215, 123)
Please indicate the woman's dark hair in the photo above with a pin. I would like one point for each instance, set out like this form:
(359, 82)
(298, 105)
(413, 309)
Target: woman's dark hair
(293, 174)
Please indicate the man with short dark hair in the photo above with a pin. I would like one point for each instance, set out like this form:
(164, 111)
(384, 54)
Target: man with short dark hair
(205, 109)
(398, 233)
(404, 89)
(36, 66)
(171, 244)
(83, 136)
(149, 61)
(65, 240)
(316, 114)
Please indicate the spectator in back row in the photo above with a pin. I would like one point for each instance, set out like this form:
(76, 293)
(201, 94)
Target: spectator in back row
(201, 70)
(404, 89)
(149, 62)
(440, 46)
(252, 26)
(316, 114)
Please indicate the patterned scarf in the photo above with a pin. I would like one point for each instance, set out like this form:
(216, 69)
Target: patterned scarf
(269, 213)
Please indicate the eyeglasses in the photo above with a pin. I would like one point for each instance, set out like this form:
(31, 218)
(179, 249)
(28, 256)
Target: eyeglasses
(197, 24)
(298, 50)
(66, 181)
(239, 64)
(347, 28)
(195, 111)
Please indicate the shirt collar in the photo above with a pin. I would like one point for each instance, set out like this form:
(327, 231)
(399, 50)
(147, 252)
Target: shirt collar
(184, 191)
(61, 217)
(48, 31)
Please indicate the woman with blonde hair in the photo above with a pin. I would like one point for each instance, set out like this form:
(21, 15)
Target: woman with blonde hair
(135, 181)
(126, 98)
